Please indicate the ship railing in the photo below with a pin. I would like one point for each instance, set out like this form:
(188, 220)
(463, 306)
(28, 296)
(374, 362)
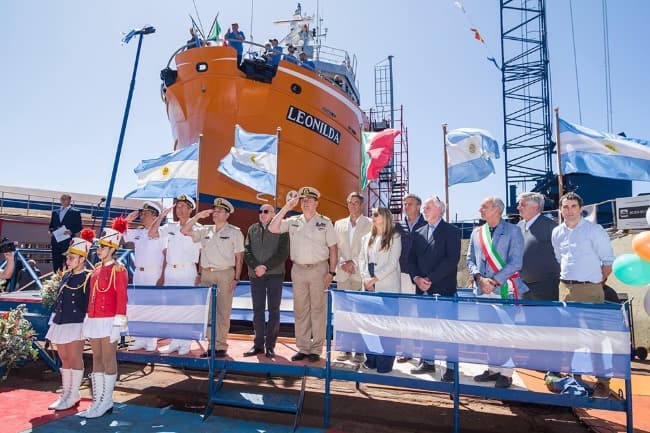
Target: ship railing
(339, 57)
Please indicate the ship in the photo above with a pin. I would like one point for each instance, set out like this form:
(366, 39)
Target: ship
(208, 90)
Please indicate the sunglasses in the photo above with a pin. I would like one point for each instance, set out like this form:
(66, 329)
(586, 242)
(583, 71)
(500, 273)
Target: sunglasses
(265, 211)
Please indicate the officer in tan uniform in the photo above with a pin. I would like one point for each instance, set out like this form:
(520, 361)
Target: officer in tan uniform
(312, 243)
(222, 256)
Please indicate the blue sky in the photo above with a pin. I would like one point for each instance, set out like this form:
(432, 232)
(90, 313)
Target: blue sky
(66, 78)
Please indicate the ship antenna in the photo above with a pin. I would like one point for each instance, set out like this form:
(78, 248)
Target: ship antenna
(198, 17)
(251, 26)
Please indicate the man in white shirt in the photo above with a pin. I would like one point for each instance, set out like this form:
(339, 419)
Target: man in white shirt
(149, 259)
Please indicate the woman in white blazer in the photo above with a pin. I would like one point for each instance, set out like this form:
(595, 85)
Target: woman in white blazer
(379, 269)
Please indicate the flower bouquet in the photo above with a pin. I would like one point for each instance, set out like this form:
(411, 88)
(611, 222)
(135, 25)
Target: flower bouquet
(16, 337)
(50, 290)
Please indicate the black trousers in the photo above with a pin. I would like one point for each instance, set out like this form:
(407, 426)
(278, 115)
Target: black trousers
(58, 251)
(266, 290)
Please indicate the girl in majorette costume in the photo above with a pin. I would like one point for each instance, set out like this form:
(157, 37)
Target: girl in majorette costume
(67, 319)
(106, 318)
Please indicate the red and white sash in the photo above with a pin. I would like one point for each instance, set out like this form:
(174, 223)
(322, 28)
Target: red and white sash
(496, 263)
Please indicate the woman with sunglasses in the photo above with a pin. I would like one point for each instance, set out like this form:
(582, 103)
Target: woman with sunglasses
(380, 270)
(106, 317)
(67, 319)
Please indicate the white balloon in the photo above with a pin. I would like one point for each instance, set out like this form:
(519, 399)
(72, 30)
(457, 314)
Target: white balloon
(646, 301)
(647, 215)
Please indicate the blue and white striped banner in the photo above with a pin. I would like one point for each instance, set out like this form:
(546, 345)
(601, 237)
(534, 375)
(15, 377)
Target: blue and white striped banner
(168, 312)
(242, 303)
(545, 337)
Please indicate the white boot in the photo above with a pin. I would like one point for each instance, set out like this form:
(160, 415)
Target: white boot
(73, 396)
(151, 344)
(65, 380)
(106, 402)
(138, 343)
(97, 383)
(174, 345)
(185, 347)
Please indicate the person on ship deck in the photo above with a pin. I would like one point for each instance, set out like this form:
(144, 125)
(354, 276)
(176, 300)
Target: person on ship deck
(234, 36)
(291, 57)
(305, 62)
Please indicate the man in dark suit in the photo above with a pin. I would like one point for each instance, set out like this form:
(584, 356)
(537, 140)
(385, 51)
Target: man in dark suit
(539, 270)
(406, 228)
(433, 263)
(70, 218)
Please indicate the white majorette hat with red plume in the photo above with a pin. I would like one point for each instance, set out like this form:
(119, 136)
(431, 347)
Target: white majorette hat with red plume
(111, 236)
(81, 245)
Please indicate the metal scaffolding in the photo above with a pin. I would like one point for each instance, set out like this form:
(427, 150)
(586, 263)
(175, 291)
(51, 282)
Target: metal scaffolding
(393, 182)
(526, 97)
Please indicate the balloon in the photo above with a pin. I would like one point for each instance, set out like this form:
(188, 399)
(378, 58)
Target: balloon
(641, 245)
(632, 270)
(646, 301)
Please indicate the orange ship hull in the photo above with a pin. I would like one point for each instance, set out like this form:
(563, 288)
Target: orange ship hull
(320, 128)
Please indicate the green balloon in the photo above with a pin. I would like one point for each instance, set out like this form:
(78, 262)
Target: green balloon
(632, 270)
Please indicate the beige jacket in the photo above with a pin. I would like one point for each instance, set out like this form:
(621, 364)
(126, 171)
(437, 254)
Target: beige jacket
(350, 250)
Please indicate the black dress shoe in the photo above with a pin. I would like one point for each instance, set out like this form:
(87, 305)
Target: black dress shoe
(448, 376)
(299, 356)
(219, 353)
(487, 376)
(270, 353)
(313, 357)
(424, 368)
(254, 351)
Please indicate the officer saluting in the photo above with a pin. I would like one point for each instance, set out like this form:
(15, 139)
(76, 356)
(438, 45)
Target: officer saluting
(148, 259)
(222, 257)
(312, 242)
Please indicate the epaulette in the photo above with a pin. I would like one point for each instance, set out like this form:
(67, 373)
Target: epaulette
(233, 227)
(119, 266)
(325, 217)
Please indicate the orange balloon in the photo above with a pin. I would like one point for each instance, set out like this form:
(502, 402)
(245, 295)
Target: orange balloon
(641, 245)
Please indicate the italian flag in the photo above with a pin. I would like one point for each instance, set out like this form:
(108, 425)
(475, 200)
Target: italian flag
(376, 153)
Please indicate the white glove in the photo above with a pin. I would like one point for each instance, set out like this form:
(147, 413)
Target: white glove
(120, 321)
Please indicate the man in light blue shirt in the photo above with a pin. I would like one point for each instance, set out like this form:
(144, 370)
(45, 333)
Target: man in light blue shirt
(585, 254)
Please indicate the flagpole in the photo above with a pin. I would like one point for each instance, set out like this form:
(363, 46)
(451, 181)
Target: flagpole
(444, 146)
(198, 174)
(560, 183)
(278, 132)
(118, 151)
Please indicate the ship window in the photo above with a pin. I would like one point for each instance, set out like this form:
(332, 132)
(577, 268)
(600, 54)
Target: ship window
(201, 67)
(295, 88)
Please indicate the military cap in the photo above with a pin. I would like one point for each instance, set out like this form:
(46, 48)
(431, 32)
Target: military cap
(152, 206)
(187, 199)
(224, 204)
(309, 191)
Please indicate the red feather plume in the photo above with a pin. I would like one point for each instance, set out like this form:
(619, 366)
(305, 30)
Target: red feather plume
(87, 235)
(120, 224)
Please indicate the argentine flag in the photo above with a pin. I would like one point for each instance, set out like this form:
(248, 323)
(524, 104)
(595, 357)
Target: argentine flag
(252, 161)
(169, 175)
(168, 312)
(469, 155)
(584, 150)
